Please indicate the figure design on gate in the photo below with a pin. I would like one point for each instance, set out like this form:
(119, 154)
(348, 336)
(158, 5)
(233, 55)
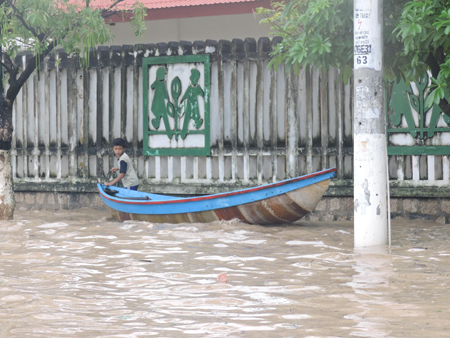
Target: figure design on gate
(422, 121)
(187, 107)
(192, 110)
(159, 101)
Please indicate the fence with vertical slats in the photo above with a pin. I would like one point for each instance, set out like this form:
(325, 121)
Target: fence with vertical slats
(266, 125)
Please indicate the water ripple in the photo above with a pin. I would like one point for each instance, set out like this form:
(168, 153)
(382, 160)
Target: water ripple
(79, 274)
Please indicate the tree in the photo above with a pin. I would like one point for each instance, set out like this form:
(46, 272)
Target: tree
(40, 26)
(319, 33)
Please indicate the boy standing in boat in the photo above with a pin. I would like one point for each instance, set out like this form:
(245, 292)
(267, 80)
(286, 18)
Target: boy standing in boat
(126, 170)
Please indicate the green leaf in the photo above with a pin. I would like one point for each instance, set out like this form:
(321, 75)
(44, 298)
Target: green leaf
(447, 30)
(31, 18)
(432, 99)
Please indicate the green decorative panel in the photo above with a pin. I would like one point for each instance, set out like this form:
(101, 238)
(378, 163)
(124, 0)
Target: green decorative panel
(413, 128)
(176, 105)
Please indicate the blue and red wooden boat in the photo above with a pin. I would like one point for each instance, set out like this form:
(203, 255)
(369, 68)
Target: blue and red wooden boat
(281, 202)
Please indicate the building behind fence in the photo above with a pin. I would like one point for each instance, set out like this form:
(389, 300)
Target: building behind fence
(266, 125)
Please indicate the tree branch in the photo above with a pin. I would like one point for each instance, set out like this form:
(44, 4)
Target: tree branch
(16, 85)
(445, 106)
(440, 55)
(433, 64)
(114, 4)
(106, 13)
(19, 16)
(434, 61)
(23, 42)
(9, 66)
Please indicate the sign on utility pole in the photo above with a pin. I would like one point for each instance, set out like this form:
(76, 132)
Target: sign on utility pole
(370, 149)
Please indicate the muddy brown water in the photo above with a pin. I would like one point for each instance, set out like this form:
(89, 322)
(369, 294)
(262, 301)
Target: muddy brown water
(80, 274)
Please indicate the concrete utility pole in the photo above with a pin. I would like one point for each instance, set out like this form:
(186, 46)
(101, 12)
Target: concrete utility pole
(370, 149)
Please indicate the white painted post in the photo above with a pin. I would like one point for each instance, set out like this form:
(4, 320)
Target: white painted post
(370, 159)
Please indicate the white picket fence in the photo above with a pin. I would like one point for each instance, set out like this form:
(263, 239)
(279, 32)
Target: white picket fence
(266, 124)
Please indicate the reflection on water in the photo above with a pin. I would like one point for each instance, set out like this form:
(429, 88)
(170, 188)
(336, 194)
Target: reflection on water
(373, 269)
(79, 274)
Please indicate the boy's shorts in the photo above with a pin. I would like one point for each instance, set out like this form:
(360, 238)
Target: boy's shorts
(133, 188)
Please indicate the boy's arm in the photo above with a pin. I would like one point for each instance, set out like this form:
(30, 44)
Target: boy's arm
(123, 170)
(117, 179)
(123, 167)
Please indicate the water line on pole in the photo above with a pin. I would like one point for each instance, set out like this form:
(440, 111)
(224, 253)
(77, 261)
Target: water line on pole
(388, 200)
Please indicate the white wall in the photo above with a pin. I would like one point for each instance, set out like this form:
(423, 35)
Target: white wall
(226, 27)
(66, 118)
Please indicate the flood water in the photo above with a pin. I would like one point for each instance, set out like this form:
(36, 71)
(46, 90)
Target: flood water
(79, 274)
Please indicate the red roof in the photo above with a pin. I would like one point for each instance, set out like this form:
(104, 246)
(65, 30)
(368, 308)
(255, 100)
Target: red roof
(159, 4)
(175, 9)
